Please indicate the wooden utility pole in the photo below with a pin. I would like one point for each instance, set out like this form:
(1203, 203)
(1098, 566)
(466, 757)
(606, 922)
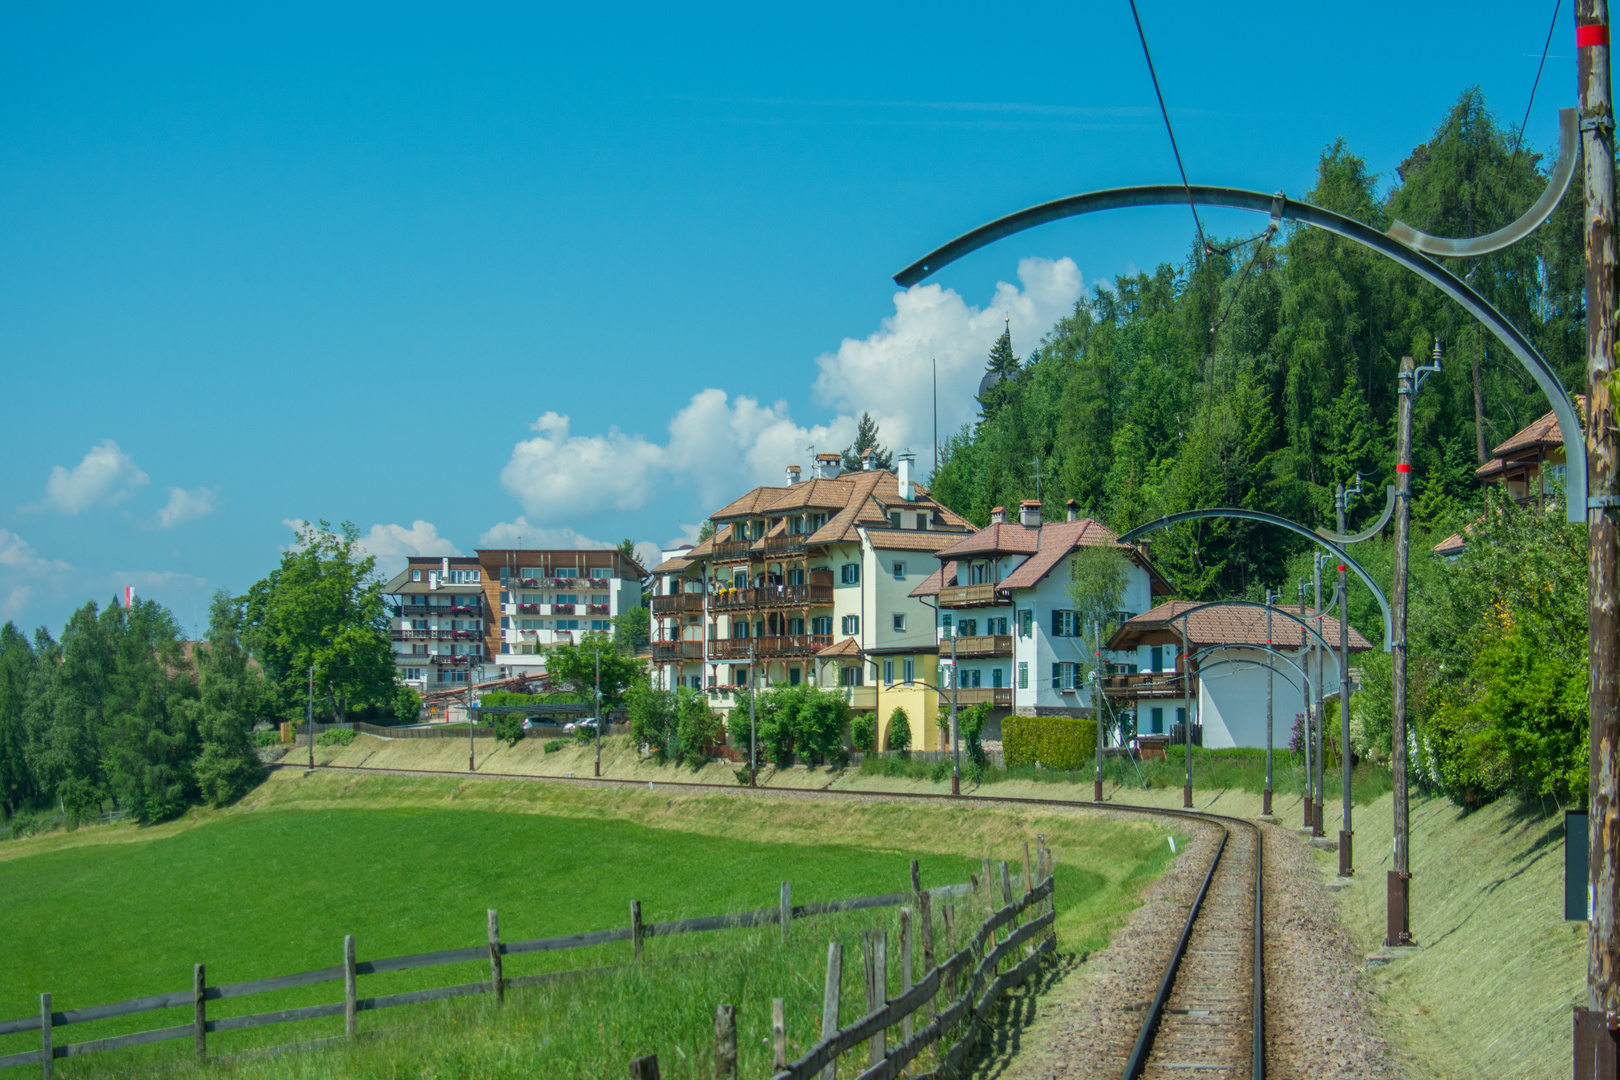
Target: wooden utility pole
(1346, 864)
(1321, 715)
(1398, 926)
(1595, 1046)
(1271, 679)
(1096, 709)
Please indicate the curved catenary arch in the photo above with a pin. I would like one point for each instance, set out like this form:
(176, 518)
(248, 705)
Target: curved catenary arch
(1311, 682)
(1280, 207)
(1281, 522)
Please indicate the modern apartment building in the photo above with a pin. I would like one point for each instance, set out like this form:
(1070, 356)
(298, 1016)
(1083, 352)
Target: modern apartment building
(1006, 615)
(811, 582)
(439, 621)
(495, 611)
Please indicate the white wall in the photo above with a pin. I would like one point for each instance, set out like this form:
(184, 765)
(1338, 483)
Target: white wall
(1232, 698)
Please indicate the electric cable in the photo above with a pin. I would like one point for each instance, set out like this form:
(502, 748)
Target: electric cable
(1164, 112)
(1519, 138)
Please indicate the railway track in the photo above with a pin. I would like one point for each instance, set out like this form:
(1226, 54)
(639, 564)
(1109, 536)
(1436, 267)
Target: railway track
(1206, 1020)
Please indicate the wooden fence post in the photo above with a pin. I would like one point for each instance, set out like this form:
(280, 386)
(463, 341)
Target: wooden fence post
(875, 953)
(351, 994)
(644, 1068)
(635, 927)
(199, 1019)
(779, 1058)
(905, 967)
(984, 883)
(947, 914)
(47, 1053)
(725, 1042)
(830, 1001)
(925, 921)
(1006, 885)
(787, 909)
(497, 981)
(1029, 881)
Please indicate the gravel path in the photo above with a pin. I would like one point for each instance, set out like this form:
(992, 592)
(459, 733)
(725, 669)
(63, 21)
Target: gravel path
(1318, 1026)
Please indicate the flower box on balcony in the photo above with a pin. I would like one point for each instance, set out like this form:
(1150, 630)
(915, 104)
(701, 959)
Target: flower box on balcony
(596, 609)
(597, 582)
(562, 609)
(529, 609)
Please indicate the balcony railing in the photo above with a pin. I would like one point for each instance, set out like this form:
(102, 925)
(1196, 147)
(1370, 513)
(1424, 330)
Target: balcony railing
(958, 596)
(563, 609)
(981, 645)
(791, 544)
(528, 609)
(556, 583)
(596, 609)
(669, 651)
(1000, 696)
(783, 645)
(733, 549)
(679, 604)
(1145, 684)
(769, 596)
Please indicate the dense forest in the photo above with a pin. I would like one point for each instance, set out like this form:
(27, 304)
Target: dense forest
(1261, 373)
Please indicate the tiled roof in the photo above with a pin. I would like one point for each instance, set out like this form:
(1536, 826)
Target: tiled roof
(856, 499)
(910, 539)
(1451, 545)
(1544, 432)
(1046, 545)
(672, 566)
(1056, 541)
(1008, 538)
(1232, 625)
(1491, 468)
(847, 647)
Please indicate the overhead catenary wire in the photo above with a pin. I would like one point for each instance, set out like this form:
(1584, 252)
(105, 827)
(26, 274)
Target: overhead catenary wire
(1147, 54)
(1518, 138)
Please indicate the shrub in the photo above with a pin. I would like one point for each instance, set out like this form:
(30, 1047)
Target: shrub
(270, 737)
(652, 715)
(863, 732)
(508, 727)
(970, 723)
(555, 745)
(802, 721)
(899, 730)
(335, 737)
(1057, 742)
(407, 705)
(696, 727)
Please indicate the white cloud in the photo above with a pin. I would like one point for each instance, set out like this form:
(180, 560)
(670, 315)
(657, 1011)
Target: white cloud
(889, 373)
(186, 505)
(580, 474)
(17, 554)
(688, 535)
(393, 544)
(16, 601)
(107, 475)
(24, 573)
(648, 554)
(720, 444)
(145, 581)
(519, 533)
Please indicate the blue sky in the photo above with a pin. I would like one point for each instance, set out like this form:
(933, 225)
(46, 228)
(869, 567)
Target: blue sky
(466, 276)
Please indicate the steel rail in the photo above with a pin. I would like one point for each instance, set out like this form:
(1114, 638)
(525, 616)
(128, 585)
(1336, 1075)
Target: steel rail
(1280, 207)
(1223, 821)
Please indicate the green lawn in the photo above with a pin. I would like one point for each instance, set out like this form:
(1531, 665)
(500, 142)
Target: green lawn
(267, 894)
(410, 865)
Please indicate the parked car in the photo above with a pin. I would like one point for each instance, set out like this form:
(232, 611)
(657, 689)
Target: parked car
(580, 725)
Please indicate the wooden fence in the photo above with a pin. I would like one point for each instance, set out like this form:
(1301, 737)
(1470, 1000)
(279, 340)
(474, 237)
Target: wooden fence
(973, 980)
(201, 993)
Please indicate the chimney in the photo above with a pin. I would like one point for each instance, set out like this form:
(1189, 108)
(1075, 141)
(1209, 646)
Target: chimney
(868, 460)
(908, 461)
(998, 515)
(1029, 513)
(1074, 510)
(827, 465)
(792, 475)
(444, 572)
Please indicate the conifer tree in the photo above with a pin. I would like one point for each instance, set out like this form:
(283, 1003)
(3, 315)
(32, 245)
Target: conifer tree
(866, 438)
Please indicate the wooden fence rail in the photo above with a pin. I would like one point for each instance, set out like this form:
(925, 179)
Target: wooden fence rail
(1033, 938)
(200, 994)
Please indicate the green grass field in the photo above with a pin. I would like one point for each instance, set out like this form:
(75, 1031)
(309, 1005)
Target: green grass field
(406, 865)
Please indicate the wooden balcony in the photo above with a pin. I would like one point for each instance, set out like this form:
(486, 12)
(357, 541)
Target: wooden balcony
(790, 544)
(679, 604)
(979, 645)
(768, 647)
(999, 696)
(1144, 684)
(969, 596)
(771, 596)
(729, 550)
(670, 652)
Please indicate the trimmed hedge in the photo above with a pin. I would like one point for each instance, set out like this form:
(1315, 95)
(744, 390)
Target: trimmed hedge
(1057, 742)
